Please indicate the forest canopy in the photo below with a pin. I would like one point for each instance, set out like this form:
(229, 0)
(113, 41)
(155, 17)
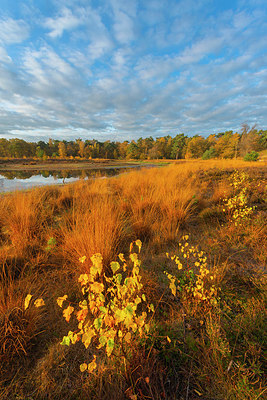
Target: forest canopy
(221, 145)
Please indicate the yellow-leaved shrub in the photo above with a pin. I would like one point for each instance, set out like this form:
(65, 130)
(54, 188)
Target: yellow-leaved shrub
(193, 282)
(113, 311)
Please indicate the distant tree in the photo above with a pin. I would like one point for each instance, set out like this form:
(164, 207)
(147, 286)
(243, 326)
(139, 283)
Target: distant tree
(122, 149)
(81, 145)
(133, 150)
(208, 154)
(262, 140)
(62, 150)
(108, 149)
(19, 148)
(39, 152)
(249, 140)
(4, 151)
(178, 146)
(196, 147)
(227, 145)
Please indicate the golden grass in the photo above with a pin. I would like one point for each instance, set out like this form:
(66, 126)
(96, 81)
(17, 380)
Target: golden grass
(24, 219)
(98, 228)
(18, 327)
(155, 205)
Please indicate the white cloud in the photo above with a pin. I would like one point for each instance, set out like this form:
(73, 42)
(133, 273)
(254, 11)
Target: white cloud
(123, 28)
(13, 31)
(200, 49)
(64, 22)
(124, 14)
(4, 57)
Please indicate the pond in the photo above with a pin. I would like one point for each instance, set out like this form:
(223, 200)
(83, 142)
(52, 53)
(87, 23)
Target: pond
(20, 180)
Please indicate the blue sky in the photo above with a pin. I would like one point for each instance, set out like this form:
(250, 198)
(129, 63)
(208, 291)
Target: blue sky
(122, 69)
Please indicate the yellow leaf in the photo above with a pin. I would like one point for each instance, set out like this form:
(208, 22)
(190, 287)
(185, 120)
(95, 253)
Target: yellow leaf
(97, 264)
(60, 300)
(138, 244)
(114, 266)
(27, 301)
(82, 259)
(83, 367)
(67, 313)
(81, 314)
(87, 337)
(121, 257)
(92, 365)
(97, 287)
(134, 258)
(39, 303)
(83, 279)
(128, 337)
(173, 287)
(120, 315)
(137, 300)
(168, 339)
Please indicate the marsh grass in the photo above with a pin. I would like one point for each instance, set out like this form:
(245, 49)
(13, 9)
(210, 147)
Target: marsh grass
(217, 353)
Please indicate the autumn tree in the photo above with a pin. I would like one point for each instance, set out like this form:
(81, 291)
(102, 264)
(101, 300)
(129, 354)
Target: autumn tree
(81, 145)
(196, 147)
(249, 140)
(62, 150)
(227, 145)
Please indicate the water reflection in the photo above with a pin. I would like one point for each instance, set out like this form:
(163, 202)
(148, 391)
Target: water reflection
(16, 180)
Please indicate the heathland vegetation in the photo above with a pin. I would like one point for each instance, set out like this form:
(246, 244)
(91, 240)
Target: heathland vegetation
(148, 285)
(247, 143)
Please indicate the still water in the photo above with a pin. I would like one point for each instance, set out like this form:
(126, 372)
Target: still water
(20, 180)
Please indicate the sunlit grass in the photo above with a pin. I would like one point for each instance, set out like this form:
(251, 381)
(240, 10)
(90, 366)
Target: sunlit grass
(213, 354)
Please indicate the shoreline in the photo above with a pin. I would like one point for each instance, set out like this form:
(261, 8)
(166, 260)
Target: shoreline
(53, 165)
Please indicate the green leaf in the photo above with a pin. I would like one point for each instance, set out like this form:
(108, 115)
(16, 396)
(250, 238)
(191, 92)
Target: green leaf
(129, 309)
(119, 278)
(114, 266)
(110, 347)
(103, 340)
(110, 343)
(143, 297)
(98, 323)
(65, 341)
(138, 244)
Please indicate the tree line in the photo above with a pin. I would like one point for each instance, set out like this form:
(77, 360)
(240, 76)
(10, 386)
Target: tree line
(227, 144)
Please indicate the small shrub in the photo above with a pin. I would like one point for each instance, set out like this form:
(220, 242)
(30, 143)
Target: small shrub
(251, 156)
(236, 207)
(112, 313)
(194, 283)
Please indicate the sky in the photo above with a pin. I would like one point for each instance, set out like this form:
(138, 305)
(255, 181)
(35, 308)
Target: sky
(124, 69)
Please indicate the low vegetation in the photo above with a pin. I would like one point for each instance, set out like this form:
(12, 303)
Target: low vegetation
(148, 285)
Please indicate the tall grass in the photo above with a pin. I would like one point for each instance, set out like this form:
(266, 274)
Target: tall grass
(96, 228)
(218, 355)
